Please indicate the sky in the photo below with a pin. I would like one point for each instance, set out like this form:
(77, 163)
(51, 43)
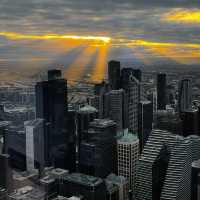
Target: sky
(81, 36)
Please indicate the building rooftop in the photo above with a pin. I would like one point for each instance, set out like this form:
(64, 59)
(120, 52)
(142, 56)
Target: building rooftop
(34, 122)
(87, 109)
(102, 123)
(118, 180)
(128, 138)
(27, 193)
(83, 179)
(196, 164)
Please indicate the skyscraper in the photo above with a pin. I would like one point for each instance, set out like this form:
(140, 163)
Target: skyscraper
(131, 87)
(94, 151)
(116, 105)
(35, 144)
(128, 156)
(145, 122)
(190, 125)
(51, 105)
(161, 91)
(195, 183)
(137, 73)
(5, 172)
(164, 169)
(185, 95)
(85, 115)
(114, 74)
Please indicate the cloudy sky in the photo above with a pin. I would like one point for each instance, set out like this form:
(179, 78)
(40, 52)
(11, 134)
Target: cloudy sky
(81, 35)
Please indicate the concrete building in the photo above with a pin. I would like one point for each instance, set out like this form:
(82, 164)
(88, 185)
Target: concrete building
(128, 156)
(164, 169)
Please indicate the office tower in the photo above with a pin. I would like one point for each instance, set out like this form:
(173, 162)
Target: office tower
(94, 151)
(5, 172)
(195, 183)
(190, 123)
(85, 115)
(71, 126)
(137, 73)
(164, 169)
(185, 95)
(161, 91)
(3, 129)
(122, 184)
(51, 105)
(145, 122)
(54, 74)
(128, 156)
(114, 74)
(100, 100)
(116, 105)
(169, 121)
(131, 87)
(35, 144)
(90, 187)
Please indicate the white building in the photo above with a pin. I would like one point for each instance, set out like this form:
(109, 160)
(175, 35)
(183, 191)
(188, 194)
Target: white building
(34, 142)
(128, 156)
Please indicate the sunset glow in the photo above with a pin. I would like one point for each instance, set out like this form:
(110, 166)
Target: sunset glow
(183, 16)
(19, 36)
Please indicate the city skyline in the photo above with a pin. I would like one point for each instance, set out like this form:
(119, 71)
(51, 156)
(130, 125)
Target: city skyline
(80, 37)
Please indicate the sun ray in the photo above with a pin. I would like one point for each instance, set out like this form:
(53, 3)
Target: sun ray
(77, 68)
(99, 71)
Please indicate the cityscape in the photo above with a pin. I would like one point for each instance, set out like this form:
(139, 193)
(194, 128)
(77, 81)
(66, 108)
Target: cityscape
(99, 100)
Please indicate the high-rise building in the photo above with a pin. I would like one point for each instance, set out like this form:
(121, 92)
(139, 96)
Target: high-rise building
(116, 105)
(54, 74)
(3, 127)
(128, 156)
(190, 125)
(164, 169)
(195, 183)
(114, 74)
(145, 122)
(35, 144)
(51, 105)
(185, 95)
(94, 151)
(131, 87)
(100, 100)
(5, 172)
(161, 91)
(137, 73)
(122, 183)
(85, 115)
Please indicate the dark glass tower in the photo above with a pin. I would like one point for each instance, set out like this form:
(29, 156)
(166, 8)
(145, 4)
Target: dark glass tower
(137, 73)
(185, 95)
(5, 172)
(145, 121)
(190, 122)
(51, 105)
(94, 159)
(114, 74)
(161, 91)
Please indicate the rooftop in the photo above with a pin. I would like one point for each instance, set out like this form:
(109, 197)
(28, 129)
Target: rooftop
(196, 164)
(83, 179)
(87, 109)
(102, 123)
(128, 138)
(34, 122)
